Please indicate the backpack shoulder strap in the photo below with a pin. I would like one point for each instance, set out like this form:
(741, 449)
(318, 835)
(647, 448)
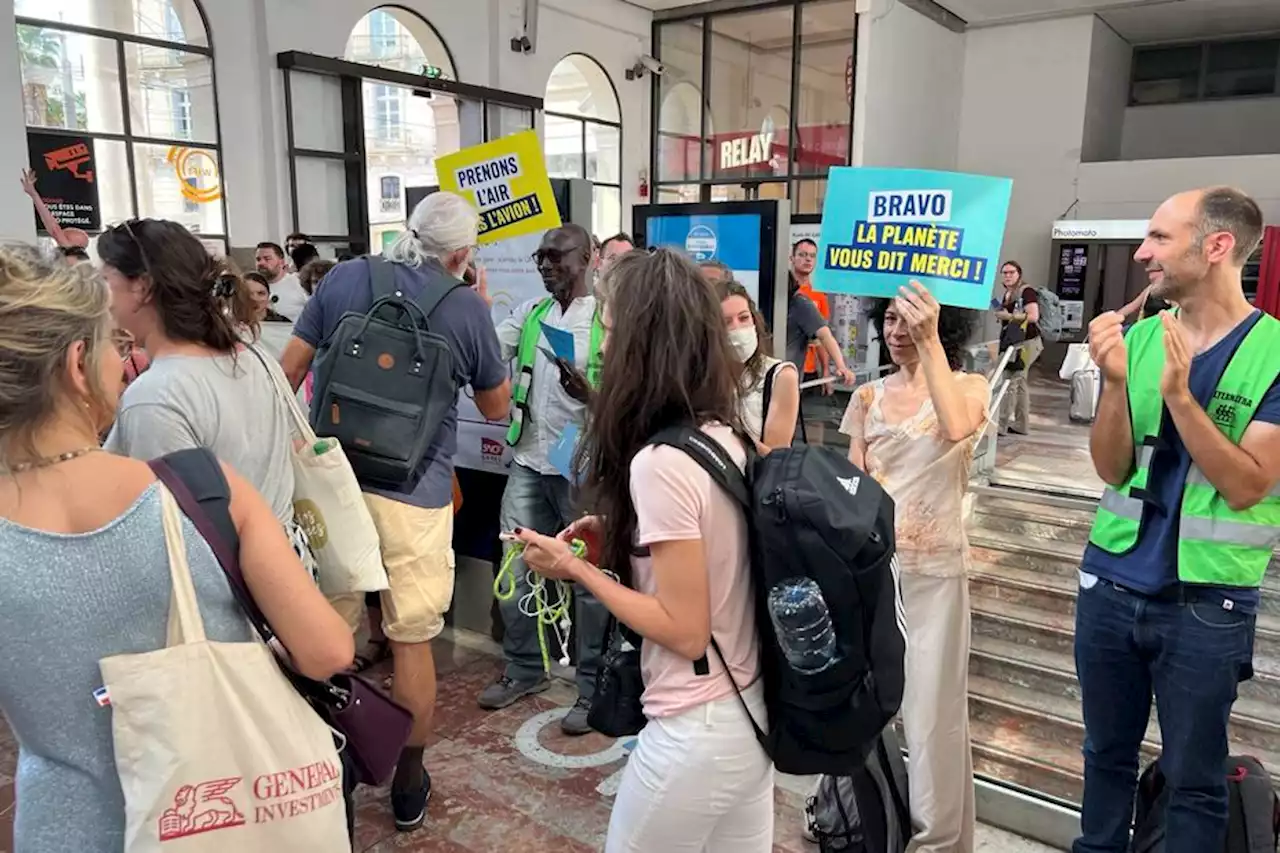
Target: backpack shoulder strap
(713, 458)
(195, 479)
(770, 375)
(382, 277)
(439, 285)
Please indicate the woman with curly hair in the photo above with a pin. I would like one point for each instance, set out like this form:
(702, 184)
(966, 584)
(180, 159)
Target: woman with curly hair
(915, 432)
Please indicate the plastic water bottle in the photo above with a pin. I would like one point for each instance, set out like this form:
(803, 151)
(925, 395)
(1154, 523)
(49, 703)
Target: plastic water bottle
(803, 624)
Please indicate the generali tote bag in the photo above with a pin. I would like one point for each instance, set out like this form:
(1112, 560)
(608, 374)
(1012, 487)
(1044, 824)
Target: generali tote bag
(215, 749)
(328, 504)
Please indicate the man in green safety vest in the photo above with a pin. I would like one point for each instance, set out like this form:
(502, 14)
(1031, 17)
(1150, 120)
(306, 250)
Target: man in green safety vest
(1187, 438)
(548, 395)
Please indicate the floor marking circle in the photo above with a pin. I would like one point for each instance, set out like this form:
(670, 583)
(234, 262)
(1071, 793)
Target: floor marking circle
(526, 739)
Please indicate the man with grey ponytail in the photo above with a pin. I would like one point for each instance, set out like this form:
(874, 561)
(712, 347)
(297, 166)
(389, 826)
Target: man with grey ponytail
(415, 521)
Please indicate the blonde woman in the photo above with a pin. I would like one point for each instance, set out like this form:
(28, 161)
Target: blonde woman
(83, 560)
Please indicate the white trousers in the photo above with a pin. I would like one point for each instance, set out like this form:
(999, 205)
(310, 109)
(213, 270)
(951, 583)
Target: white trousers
(935, 713)
(698, 782)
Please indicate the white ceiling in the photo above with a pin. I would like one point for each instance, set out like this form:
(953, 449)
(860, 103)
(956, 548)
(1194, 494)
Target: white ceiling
(1138, 21)
(1198, 19)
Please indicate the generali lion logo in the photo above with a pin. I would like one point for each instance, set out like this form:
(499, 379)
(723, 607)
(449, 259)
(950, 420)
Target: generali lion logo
(275, 797)
(201, 808)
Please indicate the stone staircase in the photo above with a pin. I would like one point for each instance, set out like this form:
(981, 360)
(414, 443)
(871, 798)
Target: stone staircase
(1024, 699)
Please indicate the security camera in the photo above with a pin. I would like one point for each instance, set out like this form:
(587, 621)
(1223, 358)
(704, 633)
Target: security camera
(652, 65)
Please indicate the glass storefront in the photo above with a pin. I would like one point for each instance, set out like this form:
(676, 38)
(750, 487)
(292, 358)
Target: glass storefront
(135, 80)
(754, 104)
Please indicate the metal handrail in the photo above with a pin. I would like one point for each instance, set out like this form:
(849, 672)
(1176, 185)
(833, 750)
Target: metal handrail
(830, 380)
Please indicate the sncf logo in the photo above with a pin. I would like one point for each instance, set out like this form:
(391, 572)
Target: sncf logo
(491, 449)
(201, 808)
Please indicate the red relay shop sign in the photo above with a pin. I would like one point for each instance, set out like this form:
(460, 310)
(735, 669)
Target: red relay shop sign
(66, 178)
(755, 155)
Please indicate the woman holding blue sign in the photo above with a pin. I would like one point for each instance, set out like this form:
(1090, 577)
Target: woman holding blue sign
(915, 432)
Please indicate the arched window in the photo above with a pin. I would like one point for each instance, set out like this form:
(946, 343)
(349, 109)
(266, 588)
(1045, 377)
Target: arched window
(130, 85)
(584, 135)
(404, 132)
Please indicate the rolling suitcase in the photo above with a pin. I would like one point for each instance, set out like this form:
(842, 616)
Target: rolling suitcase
(1084, 395)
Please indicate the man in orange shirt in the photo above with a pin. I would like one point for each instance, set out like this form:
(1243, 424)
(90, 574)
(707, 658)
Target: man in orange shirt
(804, 257)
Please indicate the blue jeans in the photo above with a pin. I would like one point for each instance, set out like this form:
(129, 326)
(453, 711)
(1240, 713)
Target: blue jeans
(1191, 651)
(542, 502)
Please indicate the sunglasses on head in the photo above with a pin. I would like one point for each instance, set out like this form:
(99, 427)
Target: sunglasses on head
(127, 225)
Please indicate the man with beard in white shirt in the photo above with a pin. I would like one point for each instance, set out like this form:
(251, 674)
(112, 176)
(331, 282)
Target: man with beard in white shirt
(287, 296)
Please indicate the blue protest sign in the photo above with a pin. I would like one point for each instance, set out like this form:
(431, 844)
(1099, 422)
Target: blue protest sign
(883, 227)
(562, 452)
(560, 340)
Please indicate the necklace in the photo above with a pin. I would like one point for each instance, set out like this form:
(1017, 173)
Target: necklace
(50, 461)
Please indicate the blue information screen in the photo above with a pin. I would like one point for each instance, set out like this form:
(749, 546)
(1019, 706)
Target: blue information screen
(733, 239)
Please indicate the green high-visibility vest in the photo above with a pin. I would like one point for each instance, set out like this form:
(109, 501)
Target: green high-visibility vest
(527, 352)
(1216, 544)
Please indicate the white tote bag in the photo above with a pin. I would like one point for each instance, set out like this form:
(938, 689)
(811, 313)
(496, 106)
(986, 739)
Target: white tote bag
(215, 749)
(1077, 359)
(329, 506)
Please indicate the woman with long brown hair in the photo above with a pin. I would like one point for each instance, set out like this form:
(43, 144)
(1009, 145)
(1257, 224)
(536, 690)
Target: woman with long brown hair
(698, 779)
(206, 387)
(768, 388)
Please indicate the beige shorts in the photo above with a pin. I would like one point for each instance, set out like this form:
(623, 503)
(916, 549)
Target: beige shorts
(417, 551)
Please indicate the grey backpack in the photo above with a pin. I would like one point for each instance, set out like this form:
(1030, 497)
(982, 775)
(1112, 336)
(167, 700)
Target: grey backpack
(1052, 315)
(385, 382)
(866, 812)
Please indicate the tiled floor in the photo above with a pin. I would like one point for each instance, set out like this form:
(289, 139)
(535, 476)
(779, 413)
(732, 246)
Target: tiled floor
(1055, 455)
(488, 794)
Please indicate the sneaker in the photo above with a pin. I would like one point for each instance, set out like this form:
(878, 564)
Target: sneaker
(507, 691)
(410, 807)
(575, 722)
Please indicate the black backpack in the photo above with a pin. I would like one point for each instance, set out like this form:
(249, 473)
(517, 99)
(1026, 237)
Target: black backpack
(1253, 810)
(384, 381)
(820, 531)
(865, 812)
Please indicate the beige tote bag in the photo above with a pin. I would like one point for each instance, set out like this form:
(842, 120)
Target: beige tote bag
(215, 749)
(328, 504)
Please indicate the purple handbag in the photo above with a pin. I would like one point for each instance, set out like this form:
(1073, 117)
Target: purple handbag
(375, 727)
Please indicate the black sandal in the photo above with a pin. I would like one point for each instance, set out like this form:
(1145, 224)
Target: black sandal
(376, 652)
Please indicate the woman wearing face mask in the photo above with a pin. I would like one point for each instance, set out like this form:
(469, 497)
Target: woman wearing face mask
(769, 390)
(915, 431)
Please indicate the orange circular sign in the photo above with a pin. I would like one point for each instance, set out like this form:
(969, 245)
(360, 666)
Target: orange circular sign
(197, 172)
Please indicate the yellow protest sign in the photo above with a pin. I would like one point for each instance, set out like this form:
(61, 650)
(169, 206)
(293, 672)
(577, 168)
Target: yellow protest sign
(506, 180)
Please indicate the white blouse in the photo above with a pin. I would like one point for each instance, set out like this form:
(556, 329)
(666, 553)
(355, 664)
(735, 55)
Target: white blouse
(751, 400)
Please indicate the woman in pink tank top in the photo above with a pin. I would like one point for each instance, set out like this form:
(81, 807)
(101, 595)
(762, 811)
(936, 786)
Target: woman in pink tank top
(698, 779)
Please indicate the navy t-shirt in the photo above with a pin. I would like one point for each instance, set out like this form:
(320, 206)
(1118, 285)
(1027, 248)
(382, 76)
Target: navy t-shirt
(1151, 567)
(462, 318)
(804, 321)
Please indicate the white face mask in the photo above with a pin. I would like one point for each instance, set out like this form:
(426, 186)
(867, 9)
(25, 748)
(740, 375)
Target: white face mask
(745, 342)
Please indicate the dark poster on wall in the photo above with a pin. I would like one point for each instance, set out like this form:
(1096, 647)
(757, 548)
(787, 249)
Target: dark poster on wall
(1072, 262)
(66, 178)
